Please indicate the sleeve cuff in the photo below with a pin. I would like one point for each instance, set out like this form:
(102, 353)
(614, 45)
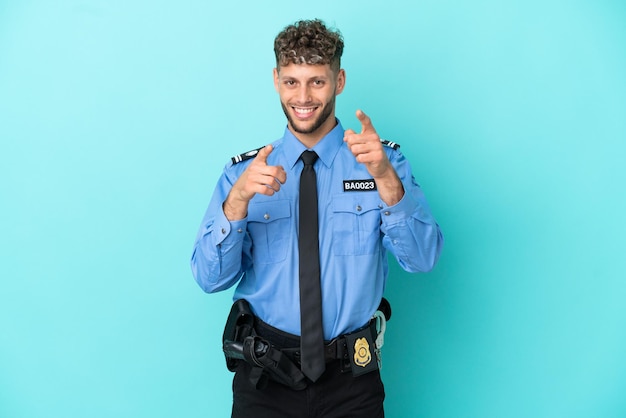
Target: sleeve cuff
(225, 231)
(399, 212)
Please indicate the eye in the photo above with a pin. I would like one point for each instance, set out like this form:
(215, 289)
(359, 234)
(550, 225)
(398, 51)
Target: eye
(319, 83)
(289, 83)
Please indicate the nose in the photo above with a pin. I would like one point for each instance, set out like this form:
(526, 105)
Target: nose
(304, 94)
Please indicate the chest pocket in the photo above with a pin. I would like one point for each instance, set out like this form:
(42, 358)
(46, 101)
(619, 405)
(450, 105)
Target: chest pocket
(356, 224)
(269, 225)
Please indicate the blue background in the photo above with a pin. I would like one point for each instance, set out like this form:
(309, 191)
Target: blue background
(116, 118)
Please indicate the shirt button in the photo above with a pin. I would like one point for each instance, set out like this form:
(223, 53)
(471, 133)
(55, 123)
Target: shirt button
(380, 206)
(223, 230)
(240, 230)
(266, 216)
(358, 208)
(387, 213)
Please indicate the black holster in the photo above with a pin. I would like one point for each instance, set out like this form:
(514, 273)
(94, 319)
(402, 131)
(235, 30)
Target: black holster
(240, 342)
(239, 326)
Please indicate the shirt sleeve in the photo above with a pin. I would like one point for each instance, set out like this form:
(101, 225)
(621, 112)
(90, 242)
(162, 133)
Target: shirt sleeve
(410, 231)
(222, 246)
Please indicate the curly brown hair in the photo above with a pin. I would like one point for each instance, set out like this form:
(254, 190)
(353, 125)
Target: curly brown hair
(308, 42)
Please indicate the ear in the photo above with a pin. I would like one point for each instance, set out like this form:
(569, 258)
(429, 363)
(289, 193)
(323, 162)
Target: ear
(340, 81)
(275, 71)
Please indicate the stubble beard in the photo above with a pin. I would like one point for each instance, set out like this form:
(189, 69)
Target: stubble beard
(326, 112)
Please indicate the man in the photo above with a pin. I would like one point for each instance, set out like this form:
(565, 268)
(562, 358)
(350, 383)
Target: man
(251, 236)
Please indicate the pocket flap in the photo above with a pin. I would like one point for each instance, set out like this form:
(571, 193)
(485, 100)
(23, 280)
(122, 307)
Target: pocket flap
(355, 204)
(266, 212)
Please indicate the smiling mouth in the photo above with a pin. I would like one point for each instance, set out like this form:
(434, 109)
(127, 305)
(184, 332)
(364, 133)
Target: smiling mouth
(303, 112)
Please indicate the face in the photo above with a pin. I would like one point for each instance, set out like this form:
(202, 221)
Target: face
(307, 95)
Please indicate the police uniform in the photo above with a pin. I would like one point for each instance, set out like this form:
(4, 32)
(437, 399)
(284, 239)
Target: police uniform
(259, 254)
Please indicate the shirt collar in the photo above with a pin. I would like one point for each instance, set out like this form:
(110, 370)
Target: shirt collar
(326, 148)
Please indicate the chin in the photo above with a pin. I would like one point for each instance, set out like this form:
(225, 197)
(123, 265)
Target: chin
(304, 129)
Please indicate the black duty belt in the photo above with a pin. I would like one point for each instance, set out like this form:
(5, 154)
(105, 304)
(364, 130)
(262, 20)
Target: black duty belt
(275, 353)
(289, 344)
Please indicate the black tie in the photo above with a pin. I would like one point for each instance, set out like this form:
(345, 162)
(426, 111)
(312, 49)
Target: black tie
(312, 334)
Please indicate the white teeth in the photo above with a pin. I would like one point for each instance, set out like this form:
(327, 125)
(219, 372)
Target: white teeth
(303, 110)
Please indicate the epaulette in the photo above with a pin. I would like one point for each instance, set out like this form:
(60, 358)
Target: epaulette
(391, 144)
(246, 155)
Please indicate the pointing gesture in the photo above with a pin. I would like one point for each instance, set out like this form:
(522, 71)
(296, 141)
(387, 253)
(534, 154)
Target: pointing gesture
(368, 150)
(257, 178)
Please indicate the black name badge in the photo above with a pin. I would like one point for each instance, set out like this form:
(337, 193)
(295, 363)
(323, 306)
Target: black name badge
(359, 185)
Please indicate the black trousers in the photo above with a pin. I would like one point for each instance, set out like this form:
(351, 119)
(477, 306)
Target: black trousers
(334, 395)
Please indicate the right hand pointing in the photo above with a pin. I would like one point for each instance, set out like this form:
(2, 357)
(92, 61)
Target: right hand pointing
(257, 178)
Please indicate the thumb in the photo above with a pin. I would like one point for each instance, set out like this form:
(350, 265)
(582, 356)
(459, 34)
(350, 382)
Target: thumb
(263, 153)
(366, 122)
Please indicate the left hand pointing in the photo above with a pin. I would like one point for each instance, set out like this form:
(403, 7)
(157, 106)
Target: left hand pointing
(367, 147)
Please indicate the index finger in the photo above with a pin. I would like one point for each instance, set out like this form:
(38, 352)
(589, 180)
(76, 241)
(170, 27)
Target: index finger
(366, 122)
